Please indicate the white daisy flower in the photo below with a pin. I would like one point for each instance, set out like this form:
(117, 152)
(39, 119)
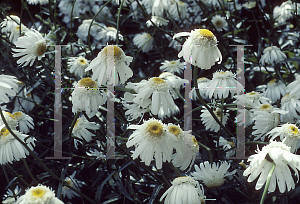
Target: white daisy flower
(8, 86)
(252, 99)
(108, 34)
(96, 153)
(220, 84)
(75, 183)
(174, 82)
(35, 2)
(184, 190)
(33, 46)
(289, 135)
(227, 145)
(272, 55)
(285, 11)
(10, 119)
(11, 196)
(26, 101)
(158, 90)
(200, 49)
(39, 194)
(83, 29)
(172, 66)
(143, 41)
(293, 88)
(87, 97)
(291, 104)
(275, 89)
(11, 24)
(158, 21)
(209, 122)
(121, 65)
(189, 147)
(11, 149)
(77, 65)
(219, 22)
(25, 121)
(151, 139)
(178, 8)
(212, 175)
(80, 130)
(250, 4)
(261, 164)
(202, 87)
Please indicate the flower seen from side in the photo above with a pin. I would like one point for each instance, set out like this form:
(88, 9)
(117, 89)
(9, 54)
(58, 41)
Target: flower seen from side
(25, 122)
(8, 86)
(272, 55)
(12, 26)
(11, 196)
(108, 34)
(275, 89)
(143, 41)
(158, 21)
(209, 122)
(291, 104)
(200, 49)
(75, 183)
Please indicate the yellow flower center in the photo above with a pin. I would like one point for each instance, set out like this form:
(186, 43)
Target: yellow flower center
(218, 23)
(232, 144)
(175, 130)
(158, 81)
(173, 62)
(294, 129)
(87, 82)
(206, 33)
(218, 113)
(17, 114)
(155, 129)
(10, 115)
(40, 49)
(38, 192)
(28, 95)
(265, 107)
(82, 61)
(195, 141)
(273, 81)
(252, 93)
(180, 2)
(4, 132)
(118, 53)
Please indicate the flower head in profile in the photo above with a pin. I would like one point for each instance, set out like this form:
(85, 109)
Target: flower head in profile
(83, 29)
(174, 82)
(275, 89)
(172, 66)
(212, 175)
(11, 25)
(11, 196)
(108, 34)
(143, 41)
(289, 134)
(11, 149)
(184, 190)
(261, 164)
(75, 183)
(158, 21)
(290, 103)
(210, 122)
(35, 2)
(8, 86)
(178, 8)
(151, 139)
(202, 87)
(31, 46)
(77, 65)
(25, 122)
(39, 194)
(200, 49)
(120, 64)
(272, 55)
(87, 97)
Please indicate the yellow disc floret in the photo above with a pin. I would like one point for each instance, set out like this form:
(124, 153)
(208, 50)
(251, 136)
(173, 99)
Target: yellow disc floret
(40, 48)
(87, 82)
(38, 192)
(175, 130)
(155, 129)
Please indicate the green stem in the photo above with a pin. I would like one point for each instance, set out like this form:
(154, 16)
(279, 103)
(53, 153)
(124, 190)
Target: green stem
(267, 183)
(18, 175)
(29, 172)
(118, 22)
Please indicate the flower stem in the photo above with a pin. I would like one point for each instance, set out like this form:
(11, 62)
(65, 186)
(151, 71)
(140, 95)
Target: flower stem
(267, 183)
(29, 172)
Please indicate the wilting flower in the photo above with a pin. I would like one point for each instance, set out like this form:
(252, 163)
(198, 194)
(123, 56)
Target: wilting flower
(8, 86)
(275, 89)
(210, 122)
(108, 34)
(158, 21)
(25, 122)
(143, 41)
(75, 183)
(272, 55)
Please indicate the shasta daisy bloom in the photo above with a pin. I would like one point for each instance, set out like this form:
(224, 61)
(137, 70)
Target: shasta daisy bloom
(261, 164)
(26, 101)
(33, 45)
(174, 82)
(11, 196)
(184, 190)
(12, 25)
(83, 29)
(158, 21)
(75, 183)
(289, 135)
(189, 148)
(200, 49)
(285, 11)
(227, 145)
(172, 66)
(291, 104)
(24, 121)
(121, 65)
(11, 149)
(10, 119)
(108, 34)
(143, 41)
(250, 4)
(77, 65)
(87, 97)
(212, 175)
(35, 2)
(275, 89)
(80, 130)
(8, 86)
(151, 139)
(219, 86)
(219, 22)
(178, 8)
(209, 122)
(272, 55)
(96, 153)
(158, 90)
(39, 194)
(202, 87)
(293, 88)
